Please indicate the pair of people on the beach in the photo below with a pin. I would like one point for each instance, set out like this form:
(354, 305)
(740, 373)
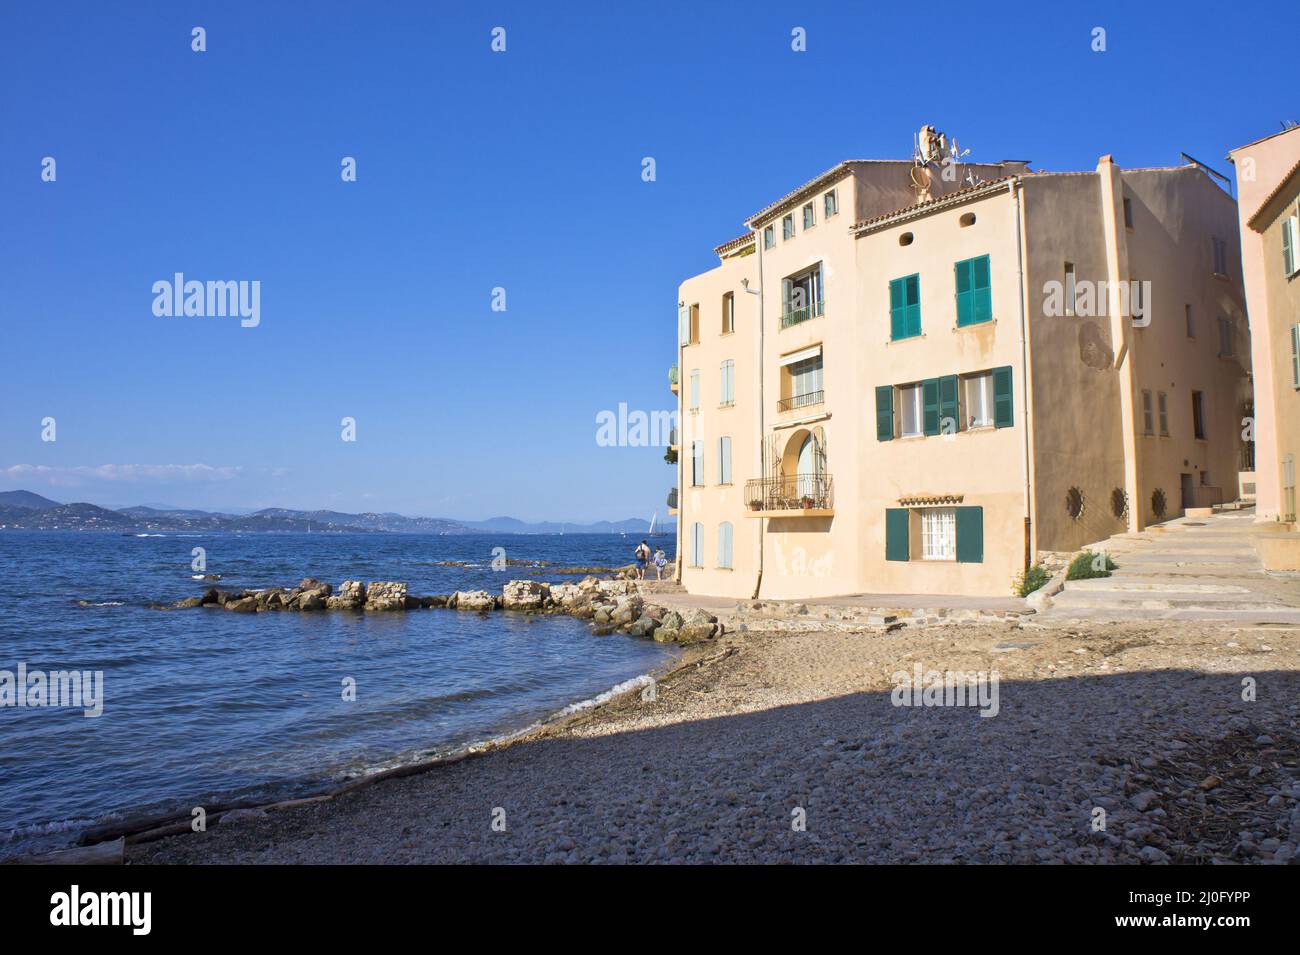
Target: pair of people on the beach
(642, 555)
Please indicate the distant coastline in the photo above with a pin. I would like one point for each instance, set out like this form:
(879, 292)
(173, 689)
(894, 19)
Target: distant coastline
(26, 510)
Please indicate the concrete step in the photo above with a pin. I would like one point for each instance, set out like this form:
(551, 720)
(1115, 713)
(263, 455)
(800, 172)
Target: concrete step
(1154, 570)
(1115, 600)
(1287, 616)
(1144, 585)
(1165, 556)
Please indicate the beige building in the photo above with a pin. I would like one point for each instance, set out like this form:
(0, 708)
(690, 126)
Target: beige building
(916, 376)
(1268, 193)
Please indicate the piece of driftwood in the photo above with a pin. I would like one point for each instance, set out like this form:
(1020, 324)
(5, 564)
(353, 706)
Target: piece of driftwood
(105, 853)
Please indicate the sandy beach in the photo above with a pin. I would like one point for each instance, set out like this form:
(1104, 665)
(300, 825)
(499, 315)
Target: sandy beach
(785, 747)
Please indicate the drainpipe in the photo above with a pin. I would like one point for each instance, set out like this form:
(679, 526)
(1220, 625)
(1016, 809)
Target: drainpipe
(681, 430)
(761, 371)
(1014, 188)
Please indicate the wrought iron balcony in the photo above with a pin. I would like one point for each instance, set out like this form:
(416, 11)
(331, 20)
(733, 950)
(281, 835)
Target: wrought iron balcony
(672, 499)
(793, 316)
(798, 495)
(806, 400)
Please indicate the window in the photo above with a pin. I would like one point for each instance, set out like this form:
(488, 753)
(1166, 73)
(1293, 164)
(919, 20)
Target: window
(1148, 426)
(1128, 213)
(724, 460)
(939, 534)
(905, 307)
(724, 546)
(728, 313)
(801, 296)
(910, 410)
(809, 217)
(1162, 403)
(1295, 356)
(974, 298)
(1220, 255)
(695, 389)
(769, 237)
(688, 324)
(1191, 324)
(1290, 245)
(1070, 296)
(728, 383)
(1225, 337)
(787, 228)
(1198, 415)
(697, 545)
(946, 533)
(801, 380)
(697, 464)
(830, 205)
(978, 400)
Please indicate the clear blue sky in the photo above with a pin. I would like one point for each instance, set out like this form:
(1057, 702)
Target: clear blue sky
(478, 170)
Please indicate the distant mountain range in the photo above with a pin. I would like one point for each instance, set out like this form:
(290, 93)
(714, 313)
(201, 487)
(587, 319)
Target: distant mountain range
(24, 510)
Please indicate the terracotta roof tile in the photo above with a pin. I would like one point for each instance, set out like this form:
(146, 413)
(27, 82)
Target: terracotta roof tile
(736, 243)
(986, 186)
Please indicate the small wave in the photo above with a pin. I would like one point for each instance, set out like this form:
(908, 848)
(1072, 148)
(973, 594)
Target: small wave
(101, 603)
(599, 698)
(150, 535)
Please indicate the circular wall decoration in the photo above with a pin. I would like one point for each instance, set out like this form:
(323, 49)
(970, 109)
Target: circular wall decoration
(1158, 502)
(1074, 503)
(1119, 503)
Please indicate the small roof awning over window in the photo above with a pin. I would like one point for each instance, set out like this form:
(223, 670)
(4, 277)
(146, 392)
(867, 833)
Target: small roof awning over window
(930, 500)
(804, 353)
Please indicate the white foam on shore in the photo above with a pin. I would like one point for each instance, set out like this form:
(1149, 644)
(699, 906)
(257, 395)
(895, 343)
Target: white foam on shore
(616, 690)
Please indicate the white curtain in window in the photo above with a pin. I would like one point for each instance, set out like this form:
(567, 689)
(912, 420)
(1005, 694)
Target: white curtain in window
(909, 404)
(939, 534)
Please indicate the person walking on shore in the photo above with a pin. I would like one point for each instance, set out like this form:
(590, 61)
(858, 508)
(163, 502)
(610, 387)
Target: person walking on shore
(661, 561)
(642, 555)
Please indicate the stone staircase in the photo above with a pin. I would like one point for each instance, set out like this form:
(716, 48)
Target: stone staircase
(1204, 569)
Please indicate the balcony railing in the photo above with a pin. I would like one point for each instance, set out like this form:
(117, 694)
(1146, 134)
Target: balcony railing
(793, 316)
(672, 437)
(672, 498)
(674, 374)
(791, 495)
(806, 400)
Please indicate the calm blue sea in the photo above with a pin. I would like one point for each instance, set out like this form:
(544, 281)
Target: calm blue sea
(205, 705)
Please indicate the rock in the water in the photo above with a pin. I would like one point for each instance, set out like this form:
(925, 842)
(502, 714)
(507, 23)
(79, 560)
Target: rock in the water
(566, 595)
(312, 599)
(645, 626)
(666, 634)
(385, 595)
(475, 600)
(311, 583)
(527, 595)
(187, 603)
(242, 604)
(433, 601)
(212, 596)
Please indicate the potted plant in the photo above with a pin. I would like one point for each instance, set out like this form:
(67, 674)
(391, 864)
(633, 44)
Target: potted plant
(756, 505)
(807, 502)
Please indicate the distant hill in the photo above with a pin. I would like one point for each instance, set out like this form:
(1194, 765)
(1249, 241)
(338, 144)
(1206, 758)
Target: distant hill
(24, 510)
(25, 499)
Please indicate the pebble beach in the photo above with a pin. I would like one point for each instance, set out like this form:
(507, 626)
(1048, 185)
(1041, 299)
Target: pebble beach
(1136, 743)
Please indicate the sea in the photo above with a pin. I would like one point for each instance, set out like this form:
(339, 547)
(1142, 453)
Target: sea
(203, 706)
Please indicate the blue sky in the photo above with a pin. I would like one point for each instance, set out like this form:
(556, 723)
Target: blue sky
(477, 170)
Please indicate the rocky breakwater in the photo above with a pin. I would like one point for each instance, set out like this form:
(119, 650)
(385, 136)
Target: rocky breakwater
(610, 605)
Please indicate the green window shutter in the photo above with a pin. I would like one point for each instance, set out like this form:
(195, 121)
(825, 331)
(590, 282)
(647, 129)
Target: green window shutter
(1003, 414)
(896, 544)
(930, 405)
(965, 306)
(897, 310)
(948, 409)
(970, 535)
(884, 412)
(981, 292)
(1288, 245)
(913, 305)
